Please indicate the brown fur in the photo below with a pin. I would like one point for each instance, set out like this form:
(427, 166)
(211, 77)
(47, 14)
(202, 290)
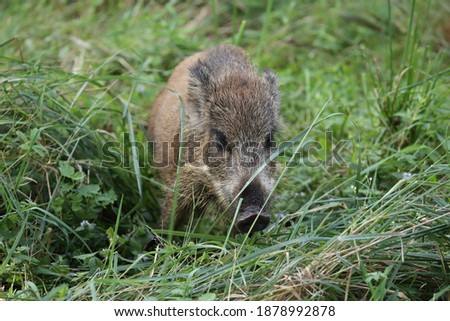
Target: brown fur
(224, 100)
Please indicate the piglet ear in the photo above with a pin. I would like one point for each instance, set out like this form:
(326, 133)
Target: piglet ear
(200, 73)
(271, 81)
(199, 82)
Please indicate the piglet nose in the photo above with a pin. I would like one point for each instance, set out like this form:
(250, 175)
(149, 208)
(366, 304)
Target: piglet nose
(251, 220)
(252, 215)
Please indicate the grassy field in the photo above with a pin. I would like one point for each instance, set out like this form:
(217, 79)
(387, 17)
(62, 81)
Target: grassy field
(366, 216)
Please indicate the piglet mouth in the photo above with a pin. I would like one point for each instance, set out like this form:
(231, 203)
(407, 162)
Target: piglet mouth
(252, 219)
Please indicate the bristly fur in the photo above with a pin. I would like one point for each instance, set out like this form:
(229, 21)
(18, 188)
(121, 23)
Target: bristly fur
(227, 102)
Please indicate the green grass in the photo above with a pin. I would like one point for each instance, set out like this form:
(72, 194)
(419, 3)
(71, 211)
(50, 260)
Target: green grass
(373, 224)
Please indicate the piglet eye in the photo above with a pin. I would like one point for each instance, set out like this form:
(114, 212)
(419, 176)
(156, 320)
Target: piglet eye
(269, 141)
(220, 139)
